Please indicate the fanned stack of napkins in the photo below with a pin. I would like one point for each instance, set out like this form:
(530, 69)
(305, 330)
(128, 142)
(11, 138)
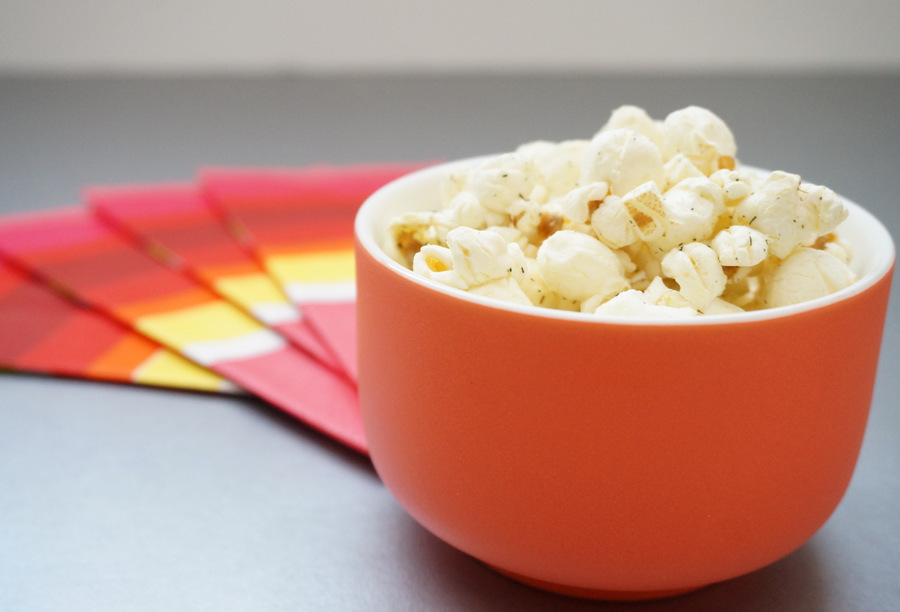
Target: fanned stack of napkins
(239, 282)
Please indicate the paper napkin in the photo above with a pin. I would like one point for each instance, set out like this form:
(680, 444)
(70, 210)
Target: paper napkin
(76, 251)
(43, 332)
(299, 223)
(175, 224)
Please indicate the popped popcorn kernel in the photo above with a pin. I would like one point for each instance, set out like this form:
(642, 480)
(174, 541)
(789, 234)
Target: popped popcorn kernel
(579, 203)
(433, 258)
(645, 207)
(633, 303)
(720, 306)
(647, 218)
(657, 292)
(827, 208)
(501, 181)
(578, 266)
(735, 183)
(637, 120)
(691, 210)
(704, 188)
(645, 258)
(413, 230)
(805, 275)
(613, 224)
(510, 234)
(534, 287)
(700, 135)
(436, 262)
(739, 245)
(697, 271)
(469, 211)
(479, 256)
(525, 216)
(558, 163)
(777, 209)
(623, 159)
(504, 289)
(833, 245)
(678, 168)
(742, 290)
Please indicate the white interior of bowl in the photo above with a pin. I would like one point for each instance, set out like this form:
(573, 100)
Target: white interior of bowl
(872, 248)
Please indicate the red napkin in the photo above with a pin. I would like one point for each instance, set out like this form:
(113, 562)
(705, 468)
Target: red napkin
(299, 223)
(175, 223)
(73, 249)
(41, 331)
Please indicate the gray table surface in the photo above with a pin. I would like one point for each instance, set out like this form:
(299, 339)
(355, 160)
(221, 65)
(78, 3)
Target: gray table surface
(115, 497)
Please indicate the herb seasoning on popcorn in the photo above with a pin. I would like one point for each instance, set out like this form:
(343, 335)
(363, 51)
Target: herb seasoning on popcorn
(649, 218)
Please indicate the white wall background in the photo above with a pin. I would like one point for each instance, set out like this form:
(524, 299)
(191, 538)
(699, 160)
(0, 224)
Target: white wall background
(185, 36)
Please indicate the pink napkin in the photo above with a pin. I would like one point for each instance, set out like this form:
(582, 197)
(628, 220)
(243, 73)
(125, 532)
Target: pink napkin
(42, 332)
(177, 225)
(299, 223)
(74, 250)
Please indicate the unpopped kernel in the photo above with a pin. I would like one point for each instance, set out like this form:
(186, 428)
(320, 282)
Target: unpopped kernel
(648, 218)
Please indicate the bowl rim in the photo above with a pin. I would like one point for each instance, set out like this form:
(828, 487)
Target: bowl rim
(881, 264)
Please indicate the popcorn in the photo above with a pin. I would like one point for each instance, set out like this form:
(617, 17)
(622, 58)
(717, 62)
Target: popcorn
(506, 289)
(739, 245)
(777, 209)
(637, 120)
(578, 266)
(624, 159)
(501, 181)
(648, 218)
(577, 204)
(805, 275)
(826, 207)
(645, 259)
(558, 163)
(410, 231)
(436, 262)
(534, 287)
(469, 211)
(645, 206)
(658, 293)
(697, 271)
(720, 306)
(510, 234)
(704, 188)
(840, 249)
(613, 224)
(735, 184)
(792, 213)
(701, 136)
(691, 209)
(479, 257)
(633, 303)
(679, 168)
(525, 216)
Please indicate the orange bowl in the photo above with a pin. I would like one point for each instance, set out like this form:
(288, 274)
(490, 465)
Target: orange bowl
(606, 457)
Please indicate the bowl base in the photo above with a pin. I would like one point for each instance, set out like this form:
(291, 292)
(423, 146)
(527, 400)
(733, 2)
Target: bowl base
(587, 593)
